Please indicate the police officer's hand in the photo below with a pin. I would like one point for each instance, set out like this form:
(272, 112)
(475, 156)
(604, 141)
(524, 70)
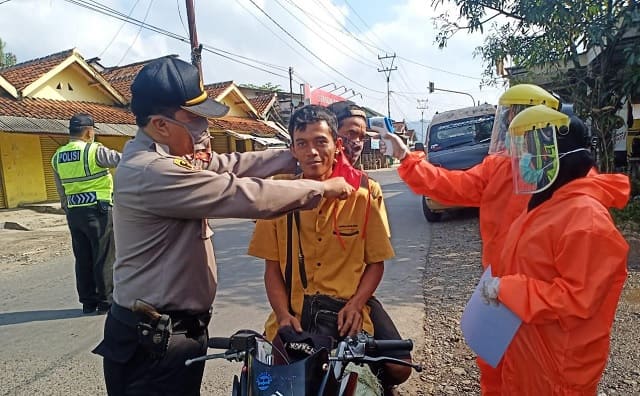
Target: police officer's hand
(350, 319)
(290, 320)
(337, 187)
(400, 150)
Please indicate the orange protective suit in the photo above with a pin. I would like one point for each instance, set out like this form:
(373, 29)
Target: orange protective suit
(489, 186)
(562, 271)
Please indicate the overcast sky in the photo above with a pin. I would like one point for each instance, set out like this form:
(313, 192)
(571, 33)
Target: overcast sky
(348, 35)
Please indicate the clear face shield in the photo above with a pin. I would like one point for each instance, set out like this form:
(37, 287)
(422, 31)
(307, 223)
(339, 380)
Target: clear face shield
(500, 133)
(534, 159)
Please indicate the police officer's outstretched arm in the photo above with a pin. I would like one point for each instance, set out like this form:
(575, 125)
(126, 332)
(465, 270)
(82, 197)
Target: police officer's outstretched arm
(172, 188)
(254, 164)
(106, 157)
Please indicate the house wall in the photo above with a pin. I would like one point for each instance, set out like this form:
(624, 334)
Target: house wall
(81, 90)
(235, 109)
(113, 142)
(25, 166)
(21, 167)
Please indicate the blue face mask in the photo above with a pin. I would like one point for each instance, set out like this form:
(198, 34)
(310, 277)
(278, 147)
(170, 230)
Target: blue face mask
(529, 175)
(533, 176)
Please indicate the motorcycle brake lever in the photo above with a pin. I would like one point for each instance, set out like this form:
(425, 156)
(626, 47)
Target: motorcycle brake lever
(383, 359)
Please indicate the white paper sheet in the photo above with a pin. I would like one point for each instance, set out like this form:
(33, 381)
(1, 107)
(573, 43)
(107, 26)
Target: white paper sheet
(488, 329)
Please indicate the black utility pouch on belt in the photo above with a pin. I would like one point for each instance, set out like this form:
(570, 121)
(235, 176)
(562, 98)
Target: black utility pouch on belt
(154, 334)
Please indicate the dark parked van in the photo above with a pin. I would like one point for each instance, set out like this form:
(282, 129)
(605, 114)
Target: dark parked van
(457, 140)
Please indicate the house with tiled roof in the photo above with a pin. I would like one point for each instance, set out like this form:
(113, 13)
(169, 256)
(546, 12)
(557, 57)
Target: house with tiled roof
(243, 128)
(121, 77)
(37, 98)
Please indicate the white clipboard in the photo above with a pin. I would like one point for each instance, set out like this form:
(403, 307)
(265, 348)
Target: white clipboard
(488, 329)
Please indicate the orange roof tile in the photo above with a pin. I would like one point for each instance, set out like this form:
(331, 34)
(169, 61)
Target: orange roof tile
(121, 77)
(23, 74)
(243, 125)
(215, 89)
(263, 103)
(63, 110)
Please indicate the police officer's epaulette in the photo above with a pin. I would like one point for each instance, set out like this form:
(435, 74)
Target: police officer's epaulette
(183, 163)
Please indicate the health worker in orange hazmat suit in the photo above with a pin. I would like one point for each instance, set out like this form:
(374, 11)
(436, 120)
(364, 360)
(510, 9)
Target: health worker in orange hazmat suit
(487, 185)
(563, 265)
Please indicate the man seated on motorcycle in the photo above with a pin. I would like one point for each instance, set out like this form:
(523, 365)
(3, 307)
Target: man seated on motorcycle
(323, 265)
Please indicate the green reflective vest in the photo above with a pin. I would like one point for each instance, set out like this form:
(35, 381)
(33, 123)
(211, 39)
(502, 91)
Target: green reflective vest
(84, 182)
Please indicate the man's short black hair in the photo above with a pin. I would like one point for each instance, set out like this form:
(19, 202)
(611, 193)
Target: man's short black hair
(77, 131)
(346, 109)
(310, 114)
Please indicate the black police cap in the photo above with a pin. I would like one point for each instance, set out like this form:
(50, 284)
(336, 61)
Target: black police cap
(81, 120)
(170, 81)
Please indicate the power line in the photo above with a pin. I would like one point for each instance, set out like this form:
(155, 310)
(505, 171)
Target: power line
(364, 44)
(403, 58)
(303, 56)
(180, 16)
(105, 10)
(311, 52)
(119, 30)
(371, 42)
(437, 69)
(137, 34)
(320, 35)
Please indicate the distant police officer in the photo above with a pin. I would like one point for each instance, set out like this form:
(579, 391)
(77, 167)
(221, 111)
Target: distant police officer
(85, 187)
(165, 271)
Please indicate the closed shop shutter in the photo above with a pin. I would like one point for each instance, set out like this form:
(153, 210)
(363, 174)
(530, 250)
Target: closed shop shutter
(3, 203)
(220, 142)
(48, 147)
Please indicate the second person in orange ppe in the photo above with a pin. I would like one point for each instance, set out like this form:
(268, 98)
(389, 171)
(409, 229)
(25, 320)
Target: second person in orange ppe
(488, 186)
(564, 262)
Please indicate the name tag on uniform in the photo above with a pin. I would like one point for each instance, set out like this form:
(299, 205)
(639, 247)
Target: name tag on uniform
(68, 156)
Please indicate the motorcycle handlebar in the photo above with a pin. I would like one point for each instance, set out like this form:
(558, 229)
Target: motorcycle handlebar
(219, 343)
(389, 345)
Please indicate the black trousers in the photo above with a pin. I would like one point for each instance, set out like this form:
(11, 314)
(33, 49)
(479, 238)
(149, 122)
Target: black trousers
(130, 370)
(94, 249)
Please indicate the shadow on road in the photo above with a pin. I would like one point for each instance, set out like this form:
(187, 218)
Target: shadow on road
(9, 318)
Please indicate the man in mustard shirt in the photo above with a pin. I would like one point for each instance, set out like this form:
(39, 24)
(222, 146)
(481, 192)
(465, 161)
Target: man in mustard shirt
(337, 249)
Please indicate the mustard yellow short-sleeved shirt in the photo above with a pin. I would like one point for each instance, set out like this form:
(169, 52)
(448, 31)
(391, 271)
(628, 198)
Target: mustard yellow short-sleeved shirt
(331, 268)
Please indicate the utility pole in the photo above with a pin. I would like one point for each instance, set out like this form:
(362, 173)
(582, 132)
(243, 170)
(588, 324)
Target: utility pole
(291, 87)
(196, 48)
(422, 106)
(387, 72)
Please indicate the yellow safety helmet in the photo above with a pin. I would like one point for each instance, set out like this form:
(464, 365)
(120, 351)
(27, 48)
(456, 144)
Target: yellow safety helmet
(512, 102)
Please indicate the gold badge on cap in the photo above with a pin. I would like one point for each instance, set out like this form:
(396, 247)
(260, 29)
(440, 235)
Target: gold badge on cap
(183, 163)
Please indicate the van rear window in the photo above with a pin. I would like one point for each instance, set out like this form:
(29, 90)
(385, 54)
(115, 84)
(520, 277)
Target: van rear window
(471, 130)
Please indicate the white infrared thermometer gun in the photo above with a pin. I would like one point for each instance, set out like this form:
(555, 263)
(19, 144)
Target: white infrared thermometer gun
(383, 126)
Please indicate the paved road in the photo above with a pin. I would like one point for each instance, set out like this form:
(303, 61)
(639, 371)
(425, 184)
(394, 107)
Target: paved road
(45, 340)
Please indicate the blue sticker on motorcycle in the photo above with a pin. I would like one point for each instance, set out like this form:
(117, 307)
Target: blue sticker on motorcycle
(263, 381)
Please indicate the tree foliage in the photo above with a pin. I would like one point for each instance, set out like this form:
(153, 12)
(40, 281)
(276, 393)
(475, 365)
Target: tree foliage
(6, 58)
(265, 87)
(588, 51)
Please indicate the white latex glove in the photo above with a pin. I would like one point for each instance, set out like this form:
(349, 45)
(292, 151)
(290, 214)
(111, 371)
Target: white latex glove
(400, 150)
(490, 289)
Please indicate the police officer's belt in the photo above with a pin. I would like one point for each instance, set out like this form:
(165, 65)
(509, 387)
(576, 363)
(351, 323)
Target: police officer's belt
(181, 320)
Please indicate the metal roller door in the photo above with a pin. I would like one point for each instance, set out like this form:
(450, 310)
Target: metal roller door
(48, 147)
(3, 203)
(220, 142)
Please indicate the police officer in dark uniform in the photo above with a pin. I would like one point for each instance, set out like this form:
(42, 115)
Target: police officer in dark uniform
(85, 187)
(165, 272)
